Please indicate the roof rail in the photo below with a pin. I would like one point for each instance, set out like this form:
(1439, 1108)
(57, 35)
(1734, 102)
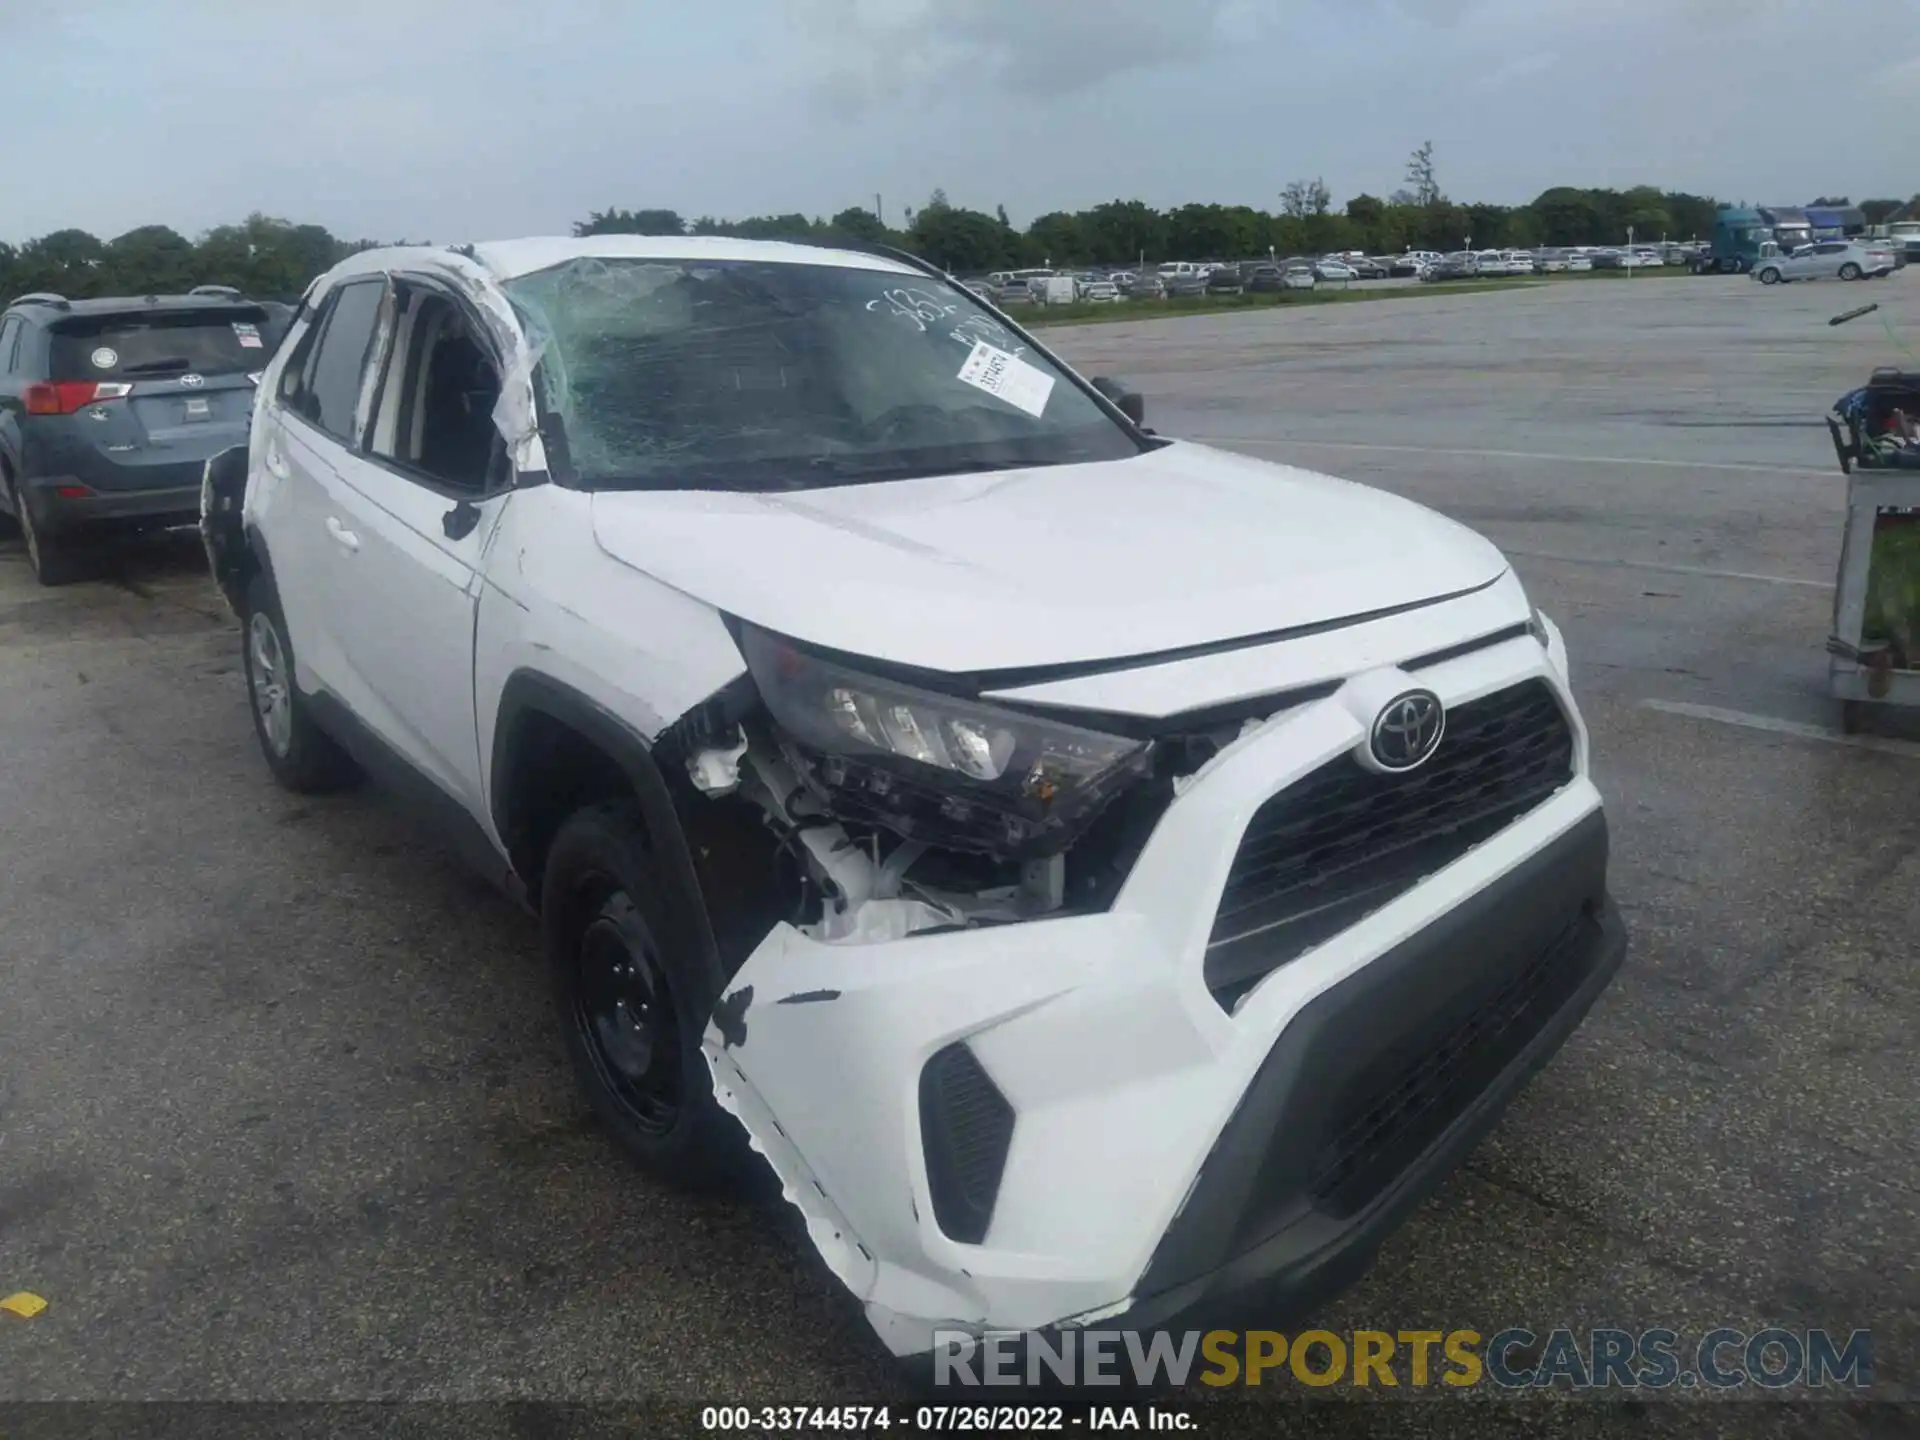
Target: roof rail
(42, 297)
(224, 292)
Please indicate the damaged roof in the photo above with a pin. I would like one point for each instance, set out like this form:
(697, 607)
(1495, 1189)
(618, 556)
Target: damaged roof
(509, 259)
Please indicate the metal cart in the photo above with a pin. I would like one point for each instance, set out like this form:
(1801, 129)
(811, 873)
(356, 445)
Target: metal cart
(1883, 493)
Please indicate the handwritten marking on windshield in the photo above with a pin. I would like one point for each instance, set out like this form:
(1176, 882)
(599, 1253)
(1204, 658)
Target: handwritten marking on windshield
(977, 328)
(922, 307)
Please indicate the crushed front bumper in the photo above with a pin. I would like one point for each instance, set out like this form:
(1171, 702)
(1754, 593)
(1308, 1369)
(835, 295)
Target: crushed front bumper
(1151, 1154)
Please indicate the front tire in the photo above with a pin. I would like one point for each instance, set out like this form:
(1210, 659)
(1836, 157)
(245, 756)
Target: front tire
(1769, 276)
(633, 1006)
(302, 756)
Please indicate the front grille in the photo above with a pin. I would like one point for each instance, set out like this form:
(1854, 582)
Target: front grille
(1338, 844)
(966, 1130)
(1389, 1123)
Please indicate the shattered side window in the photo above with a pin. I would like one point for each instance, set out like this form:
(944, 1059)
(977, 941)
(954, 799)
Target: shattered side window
(687, 374)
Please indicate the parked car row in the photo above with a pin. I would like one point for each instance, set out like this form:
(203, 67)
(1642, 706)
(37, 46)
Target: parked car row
(1180, 279)
(1177, 279)
(1556, 260)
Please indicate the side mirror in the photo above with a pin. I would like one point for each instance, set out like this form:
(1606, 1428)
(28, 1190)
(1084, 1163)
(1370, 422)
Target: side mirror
(1130, 403)
(462, 520)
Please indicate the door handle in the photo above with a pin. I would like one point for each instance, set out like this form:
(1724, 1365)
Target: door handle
(346, 537)
(277, 463)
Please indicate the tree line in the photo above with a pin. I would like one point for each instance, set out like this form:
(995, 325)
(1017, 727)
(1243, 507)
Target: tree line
(275, 259)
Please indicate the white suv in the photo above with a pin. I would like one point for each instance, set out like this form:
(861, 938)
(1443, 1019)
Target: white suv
(1107, 877)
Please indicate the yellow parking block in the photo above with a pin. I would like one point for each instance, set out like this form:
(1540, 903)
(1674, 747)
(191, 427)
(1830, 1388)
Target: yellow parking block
(23, 1304)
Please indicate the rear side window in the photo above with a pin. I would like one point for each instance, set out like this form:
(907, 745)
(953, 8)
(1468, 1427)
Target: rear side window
(159, 344)
(339, 364)
(10, 329)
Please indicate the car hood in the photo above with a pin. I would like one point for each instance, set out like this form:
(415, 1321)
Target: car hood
(1178, 547)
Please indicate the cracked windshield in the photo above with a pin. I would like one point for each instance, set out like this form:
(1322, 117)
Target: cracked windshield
(681, 374)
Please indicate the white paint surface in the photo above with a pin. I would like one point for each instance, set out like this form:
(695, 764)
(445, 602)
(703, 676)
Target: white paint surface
(1177, 547)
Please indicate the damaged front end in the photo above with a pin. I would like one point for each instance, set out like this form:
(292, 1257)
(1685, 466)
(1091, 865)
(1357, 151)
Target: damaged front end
(835, 812)
(1012, 1053)
(895, 809)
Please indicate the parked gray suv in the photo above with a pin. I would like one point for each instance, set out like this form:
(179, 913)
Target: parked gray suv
(110, 408)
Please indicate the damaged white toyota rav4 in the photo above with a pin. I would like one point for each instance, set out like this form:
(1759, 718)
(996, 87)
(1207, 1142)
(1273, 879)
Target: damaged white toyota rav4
(1109, 879)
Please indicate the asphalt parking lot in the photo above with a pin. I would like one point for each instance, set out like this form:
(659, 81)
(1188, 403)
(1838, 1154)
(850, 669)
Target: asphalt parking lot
(283, 1116)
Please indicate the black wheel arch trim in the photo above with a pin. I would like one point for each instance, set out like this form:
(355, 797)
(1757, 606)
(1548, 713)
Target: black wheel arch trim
(530, 692)
(263, 557)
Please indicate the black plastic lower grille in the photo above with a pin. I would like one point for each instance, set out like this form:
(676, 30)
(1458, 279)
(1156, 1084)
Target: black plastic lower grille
(1387, 1125)
(1343, 841)
(966, 1130)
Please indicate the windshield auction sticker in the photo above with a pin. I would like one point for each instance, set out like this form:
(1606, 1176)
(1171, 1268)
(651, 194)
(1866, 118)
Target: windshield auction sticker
(1007, 377)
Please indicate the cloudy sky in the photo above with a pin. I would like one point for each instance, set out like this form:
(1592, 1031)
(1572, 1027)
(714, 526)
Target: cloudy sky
(452, 119)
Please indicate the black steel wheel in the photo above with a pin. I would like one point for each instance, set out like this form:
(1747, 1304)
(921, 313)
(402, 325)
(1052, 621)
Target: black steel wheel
(634, 998)
(624, 1011)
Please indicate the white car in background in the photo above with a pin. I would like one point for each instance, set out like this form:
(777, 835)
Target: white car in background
(1578, 262)
(1332, 269)
(1054, 289)
(1827, 260)
(1110, 879)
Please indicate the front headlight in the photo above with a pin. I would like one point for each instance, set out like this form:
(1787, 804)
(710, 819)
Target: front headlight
(936, 767)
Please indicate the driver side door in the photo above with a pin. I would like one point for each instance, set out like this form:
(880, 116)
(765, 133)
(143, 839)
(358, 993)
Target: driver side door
(420, 501)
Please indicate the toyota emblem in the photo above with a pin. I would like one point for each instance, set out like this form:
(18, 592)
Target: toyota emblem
(192, 382)
(1407, 731)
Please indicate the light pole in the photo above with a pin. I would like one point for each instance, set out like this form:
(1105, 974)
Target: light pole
(1629, 252)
